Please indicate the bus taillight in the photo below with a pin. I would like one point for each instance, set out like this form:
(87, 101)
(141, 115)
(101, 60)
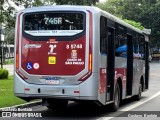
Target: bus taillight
(90, 62)
(17, 48)
(17, 61)
(88, 74)
(90, 41)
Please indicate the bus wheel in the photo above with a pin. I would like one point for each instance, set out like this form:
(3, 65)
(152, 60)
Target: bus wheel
(138, 97)
(116, 99)
(57, 104)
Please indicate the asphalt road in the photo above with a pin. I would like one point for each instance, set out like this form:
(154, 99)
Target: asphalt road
(129, 110)
(150, 102)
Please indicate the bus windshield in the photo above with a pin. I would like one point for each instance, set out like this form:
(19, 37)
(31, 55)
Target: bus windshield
(53, 23)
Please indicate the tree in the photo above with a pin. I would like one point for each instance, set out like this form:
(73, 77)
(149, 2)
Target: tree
(76, 2)
(7, 18)
(116, 7)
(9, 35)
(146, 12)
(112, 6)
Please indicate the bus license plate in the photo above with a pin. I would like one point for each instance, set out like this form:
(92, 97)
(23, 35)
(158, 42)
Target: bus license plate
(52, 82)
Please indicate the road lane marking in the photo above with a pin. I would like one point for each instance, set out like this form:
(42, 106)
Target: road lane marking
(130, 107)
(140, 102)
(155, 74)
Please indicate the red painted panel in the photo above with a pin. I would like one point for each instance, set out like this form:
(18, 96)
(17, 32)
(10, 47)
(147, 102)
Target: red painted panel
(103, 78)
(119, 73)
(53, 57)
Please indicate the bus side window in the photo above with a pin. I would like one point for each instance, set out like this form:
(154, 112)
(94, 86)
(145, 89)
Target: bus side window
(121, 42)
(103, 35)
(142, 47)
(136, 53)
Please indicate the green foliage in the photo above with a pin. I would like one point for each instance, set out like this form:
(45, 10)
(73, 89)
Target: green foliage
(112, 6)
(76, 2)
(3, 74)
(135, 24)
(9, 35)
(116, 7)
(8, 62)
(146, 12)
(28, 3)
(7, 97)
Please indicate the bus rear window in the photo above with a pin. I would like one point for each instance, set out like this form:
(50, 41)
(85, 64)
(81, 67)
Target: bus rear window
(53, 24)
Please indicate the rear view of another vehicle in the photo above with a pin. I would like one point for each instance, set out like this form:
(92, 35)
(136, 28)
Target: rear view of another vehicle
(156, 55)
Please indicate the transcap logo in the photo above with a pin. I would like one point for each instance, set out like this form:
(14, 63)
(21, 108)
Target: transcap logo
(32, 46)
(52, 47)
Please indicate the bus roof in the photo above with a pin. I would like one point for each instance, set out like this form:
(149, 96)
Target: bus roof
(79, 8)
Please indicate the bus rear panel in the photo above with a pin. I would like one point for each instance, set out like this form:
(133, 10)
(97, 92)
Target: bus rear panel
(53, 55)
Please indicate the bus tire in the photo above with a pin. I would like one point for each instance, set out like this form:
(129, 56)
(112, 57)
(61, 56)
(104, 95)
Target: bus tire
(116, 99)
(57, 104)
(138, 97)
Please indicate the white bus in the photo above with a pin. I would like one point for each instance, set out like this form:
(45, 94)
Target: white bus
(78, 53)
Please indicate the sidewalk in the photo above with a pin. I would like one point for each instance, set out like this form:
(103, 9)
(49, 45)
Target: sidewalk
(10, 68)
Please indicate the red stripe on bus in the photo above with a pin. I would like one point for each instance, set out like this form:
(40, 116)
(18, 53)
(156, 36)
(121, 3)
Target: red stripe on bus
(119, 73)
(88, 74)
(17, 42)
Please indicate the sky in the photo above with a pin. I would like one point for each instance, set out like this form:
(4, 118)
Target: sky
(102, 0)
(11, 3)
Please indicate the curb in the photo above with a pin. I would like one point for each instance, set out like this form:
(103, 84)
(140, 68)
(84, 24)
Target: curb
(30, 104)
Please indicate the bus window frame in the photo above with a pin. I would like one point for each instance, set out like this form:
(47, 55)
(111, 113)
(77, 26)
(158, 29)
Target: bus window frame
(103, 36)
(141, 43)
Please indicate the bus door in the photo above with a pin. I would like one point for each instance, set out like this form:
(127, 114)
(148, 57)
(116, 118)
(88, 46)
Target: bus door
(136, 73)
(110, 62)
(129, 64)
(103, 51)
(107, 54)
(147, 67)
(137, 64)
